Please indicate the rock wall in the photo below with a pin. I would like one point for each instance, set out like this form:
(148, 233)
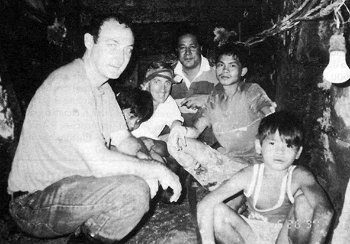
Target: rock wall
(323, 107)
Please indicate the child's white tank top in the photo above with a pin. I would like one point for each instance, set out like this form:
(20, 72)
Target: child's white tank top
(280, 210)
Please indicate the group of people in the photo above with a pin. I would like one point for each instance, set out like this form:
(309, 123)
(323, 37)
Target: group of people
(89, 161)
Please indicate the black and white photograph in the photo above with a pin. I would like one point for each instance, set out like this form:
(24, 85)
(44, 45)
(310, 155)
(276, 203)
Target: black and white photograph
(174, 121)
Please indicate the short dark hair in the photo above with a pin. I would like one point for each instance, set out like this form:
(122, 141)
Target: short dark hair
(140, 102)
(238, 51)
(98, 20)
(288, 125)
(188, 30)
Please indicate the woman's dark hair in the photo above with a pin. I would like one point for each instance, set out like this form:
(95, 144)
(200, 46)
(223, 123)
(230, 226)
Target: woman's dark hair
(140, 102)
(288, 125)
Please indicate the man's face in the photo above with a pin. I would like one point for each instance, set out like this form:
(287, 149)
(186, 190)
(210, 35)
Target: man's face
(228, 70)
(112, 50)
(189, 51)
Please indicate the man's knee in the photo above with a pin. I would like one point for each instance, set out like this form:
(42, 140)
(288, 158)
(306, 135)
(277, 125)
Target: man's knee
(140, 192)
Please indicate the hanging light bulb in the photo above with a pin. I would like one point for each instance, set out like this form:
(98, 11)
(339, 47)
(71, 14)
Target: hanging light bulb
(337, 71)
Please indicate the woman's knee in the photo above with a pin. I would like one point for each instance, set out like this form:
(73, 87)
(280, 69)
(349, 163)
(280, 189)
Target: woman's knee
(302, 208)
(220, 216)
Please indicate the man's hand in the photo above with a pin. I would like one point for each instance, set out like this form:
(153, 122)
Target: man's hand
(153, 187)
(167, 179)
(195, 101)
(218, 104)
(177, 137)
(217, 108)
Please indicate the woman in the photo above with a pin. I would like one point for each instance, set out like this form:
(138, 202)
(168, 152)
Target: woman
(158, 80)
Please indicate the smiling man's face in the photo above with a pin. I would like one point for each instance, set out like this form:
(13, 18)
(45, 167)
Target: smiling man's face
(228, 70)
(112, 51)
(189, 51)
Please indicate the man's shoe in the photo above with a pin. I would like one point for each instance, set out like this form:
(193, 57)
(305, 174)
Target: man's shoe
(79, 237)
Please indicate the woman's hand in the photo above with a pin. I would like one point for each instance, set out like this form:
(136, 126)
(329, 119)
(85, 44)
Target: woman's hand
(177, 137)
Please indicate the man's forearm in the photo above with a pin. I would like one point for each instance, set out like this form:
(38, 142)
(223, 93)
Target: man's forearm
(131, 146)
(103, 162)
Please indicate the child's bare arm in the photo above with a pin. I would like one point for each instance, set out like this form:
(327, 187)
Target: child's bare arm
(317, 199)
(205, 208)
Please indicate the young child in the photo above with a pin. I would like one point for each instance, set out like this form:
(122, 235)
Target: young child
(271, 189)
(137, 107)
(233, 110)
(158, 81)
(136, 104)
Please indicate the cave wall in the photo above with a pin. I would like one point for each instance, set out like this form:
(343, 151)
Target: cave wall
(38, 36)
(324, 107)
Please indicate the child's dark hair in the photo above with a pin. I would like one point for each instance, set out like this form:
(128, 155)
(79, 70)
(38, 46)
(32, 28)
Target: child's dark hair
(238, 51)
(140, 102)
(288, 125)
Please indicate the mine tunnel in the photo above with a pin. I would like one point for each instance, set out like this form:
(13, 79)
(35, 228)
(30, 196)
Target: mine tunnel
(289, 49)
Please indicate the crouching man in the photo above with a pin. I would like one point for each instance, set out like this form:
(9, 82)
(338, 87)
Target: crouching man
(64, 178)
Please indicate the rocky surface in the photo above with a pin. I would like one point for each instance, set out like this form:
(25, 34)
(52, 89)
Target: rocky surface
(170, 224)
(166, 224)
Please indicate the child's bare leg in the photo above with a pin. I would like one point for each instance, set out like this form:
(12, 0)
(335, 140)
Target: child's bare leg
(298, 225)
(229, 227)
